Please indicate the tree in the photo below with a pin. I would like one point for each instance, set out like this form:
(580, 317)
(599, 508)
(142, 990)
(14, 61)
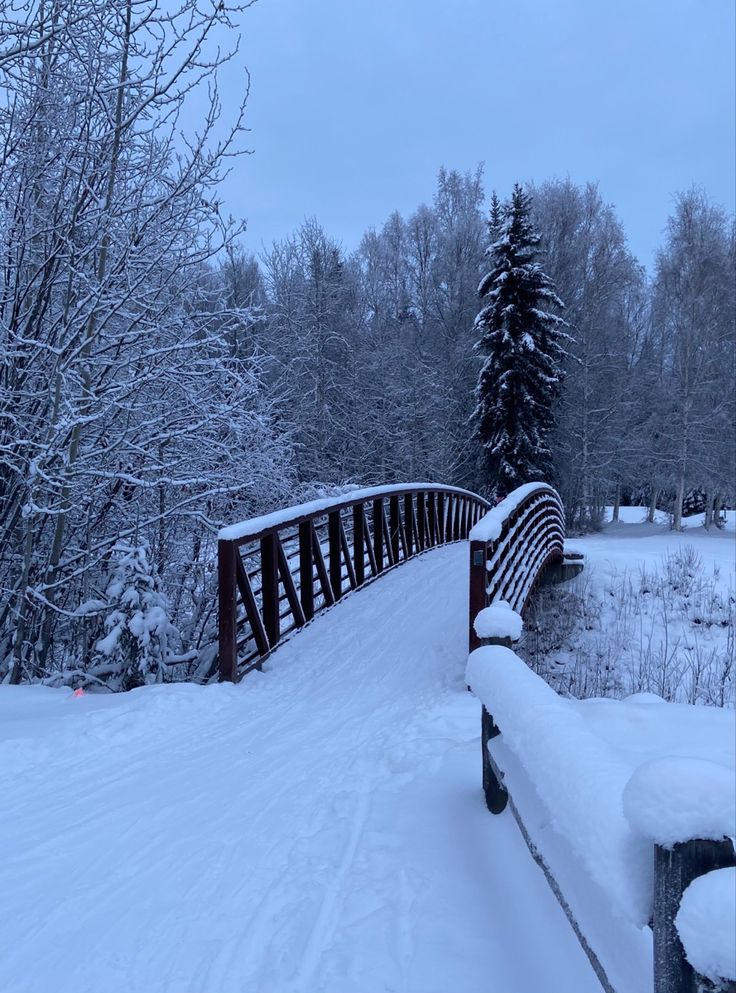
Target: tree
(605, 293)
(693, 316)
(523, 344)
(124, 407)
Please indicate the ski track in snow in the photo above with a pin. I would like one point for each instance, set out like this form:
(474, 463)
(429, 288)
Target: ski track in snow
(319, 828)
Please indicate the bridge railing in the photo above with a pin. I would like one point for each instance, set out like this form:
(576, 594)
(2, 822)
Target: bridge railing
(276, 572)
(510, 547)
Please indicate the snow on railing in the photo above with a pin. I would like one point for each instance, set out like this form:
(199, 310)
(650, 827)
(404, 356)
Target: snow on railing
(276, 572)
(644, 838)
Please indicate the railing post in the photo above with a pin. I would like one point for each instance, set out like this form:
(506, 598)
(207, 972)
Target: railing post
(477, 591)
(333, 540)
(494, 791)
(394, 525)
(431, 519)
(359, 543)
(378, 533)
(421, 512)
(674, 870)
(440, 519)
(227, 630)
(270, 587)
(409, 524)
(306, 569)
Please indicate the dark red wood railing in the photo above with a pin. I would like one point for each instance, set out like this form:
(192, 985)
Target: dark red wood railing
(508, 567)
(275, 573)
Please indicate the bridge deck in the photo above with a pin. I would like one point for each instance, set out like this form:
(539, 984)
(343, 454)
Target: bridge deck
(319, 827)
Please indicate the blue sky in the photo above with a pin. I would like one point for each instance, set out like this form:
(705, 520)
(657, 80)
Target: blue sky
(356, 104)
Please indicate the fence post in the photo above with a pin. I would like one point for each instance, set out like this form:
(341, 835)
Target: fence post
(477, 592)
(333, 541)
(359, 543)
(270, 587)
(306, 568)
(674, 870)
(227, 647)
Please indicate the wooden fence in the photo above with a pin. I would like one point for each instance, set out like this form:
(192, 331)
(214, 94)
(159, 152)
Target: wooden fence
(276, 573)
(508, 568)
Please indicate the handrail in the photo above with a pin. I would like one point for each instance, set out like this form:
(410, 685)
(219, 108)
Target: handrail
(510, 548)
(276, 572)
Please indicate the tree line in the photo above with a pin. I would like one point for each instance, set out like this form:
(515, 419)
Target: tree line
(157, 381)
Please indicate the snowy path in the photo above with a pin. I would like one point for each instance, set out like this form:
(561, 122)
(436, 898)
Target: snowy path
(319, 827)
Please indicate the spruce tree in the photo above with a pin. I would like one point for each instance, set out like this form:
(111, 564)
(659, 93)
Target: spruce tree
(519, 382)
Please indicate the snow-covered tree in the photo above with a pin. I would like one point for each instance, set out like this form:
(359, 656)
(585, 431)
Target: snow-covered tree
(522, 340)
(598, 441)
(139, 640)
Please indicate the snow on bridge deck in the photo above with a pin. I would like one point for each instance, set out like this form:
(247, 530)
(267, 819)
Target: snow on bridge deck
(319, 827)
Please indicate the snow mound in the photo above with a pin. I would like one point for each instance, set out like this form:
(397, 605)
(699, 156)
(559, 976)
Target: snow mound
(498, 620)
(577, 776)
(676, 799)
(706, 924)
(644, 698)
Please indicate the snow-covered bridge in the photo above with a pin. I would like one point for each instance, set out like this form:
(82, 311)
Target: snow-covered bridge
(317, 826)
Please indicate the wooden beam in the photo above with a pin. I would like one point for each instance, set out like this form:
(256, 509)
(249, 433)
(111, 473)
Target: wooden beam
(227, 639)
(270, 586)
(306, 568)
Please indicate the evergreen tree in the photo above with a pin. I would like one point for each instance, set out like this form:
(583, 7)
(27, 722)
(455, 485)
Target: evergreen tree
(520, 378)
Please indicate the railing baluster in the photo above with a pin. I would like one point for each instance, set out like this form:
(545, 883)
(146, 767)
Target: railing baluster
(346, 555)
(387, 540)
(378, 534)
(287, 581)
(251, 608)
(324, 580)
(421, 521)
(394, 526)
(306, 568)
(333, 540)
(409, 525)
(359, 543)
(432, 515)
(270, 587)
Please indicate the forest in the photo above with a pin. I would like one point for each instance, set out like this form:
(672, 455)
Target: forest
(157, 381)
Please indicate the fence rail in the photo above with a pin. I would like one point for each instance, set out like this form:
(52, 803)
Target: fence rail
(276, 573)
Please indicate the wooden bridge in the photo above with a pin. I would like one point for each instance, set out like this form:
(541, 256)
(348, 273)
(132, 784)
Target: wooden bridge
(278, 572)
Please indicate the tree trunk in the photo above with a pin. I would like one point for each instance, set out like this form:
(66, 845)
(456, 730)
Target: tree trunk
(679, 497)
(717, 508)
(616, 502)
(708, 519)
(652, 509)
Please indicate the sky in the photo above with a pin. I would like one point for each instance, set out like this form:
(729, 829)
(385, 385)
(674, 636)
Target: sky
(355, 105)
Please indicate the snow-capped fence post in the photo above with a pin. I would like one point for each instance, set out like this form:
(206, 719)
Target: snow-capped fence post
(674, 869)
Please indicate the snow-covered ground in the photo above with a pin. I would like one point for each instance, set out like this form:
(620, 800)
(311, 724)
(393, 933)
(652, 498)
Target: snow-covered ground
(319, 827)
(653, 611)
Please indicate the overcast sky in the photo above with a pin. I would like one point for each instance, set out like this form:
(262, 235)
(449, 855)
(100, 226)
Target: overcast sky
(355, 104)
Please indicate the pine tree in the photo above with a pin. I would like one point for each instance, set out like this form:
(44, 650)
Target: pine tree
(519, 382)
(137, 646)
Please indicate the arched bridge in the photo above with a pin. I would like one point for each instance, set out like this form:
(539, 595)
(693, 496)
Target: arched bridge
(277, 572)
